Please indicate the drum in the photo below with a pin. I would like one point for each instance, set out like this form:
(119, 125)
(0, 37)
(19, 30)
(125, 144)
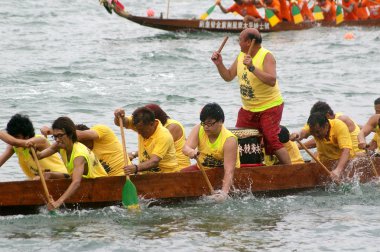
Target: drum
(249, 145)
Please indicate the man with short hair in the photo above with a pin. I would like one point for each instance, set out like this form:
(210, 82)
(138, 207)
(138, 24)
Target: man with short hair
(212, 145)
(156, 151)
(325, 109)
(333, 141)
(260, 93)
(19, 131)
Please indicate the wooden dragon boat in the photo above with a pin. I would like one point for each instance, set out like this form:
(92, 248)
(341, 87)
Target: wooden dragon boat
(232, 25)
(27, 196)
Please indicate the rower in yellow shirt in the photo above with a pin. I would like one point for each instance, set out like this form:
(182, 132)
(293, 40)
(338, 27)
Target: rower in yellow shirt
(156, 151)
(19, 131)
(176, 129)
(103, 142)
(80, 161)
(325, 109)
(333, 141)
(290, 146)
(212, 145)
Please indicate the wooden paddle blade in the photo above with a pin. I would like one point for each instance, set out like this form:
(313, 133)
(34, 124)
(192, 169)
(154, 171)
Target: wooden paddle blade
(129, 196)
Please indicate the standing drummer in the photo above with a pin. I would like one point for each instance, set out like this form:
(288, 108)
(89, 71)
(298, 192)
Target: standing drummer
(261, 97)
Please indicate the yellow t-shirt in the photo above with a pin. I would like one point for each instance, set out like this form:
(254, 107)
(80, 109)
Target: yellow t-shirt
(109, 150)
(182, 159)
(52, 163)
(354, 134)
(339, 138)
(256, 96)
(294, 153)
(161, 144)
(212, 154)
(95, 169)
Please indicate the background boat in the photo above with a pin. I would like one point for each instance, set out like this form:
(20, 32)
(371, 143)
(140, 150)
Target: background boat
(232, 25)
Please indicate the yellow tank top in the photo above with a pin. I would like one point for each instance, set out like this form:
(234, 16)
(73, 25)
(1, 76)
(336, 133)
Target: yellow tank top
(95, 169)
(211, 154)
(109, 150)
(256, 96)
(52, 163)
(182, 159)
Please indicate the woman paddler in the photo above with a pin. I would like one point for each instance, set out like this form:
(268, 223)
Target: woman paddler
(79, 160)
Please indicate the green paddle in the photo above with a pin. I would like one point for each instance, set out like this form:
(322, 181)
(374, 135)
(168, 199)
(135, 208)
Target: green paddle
(129, 196)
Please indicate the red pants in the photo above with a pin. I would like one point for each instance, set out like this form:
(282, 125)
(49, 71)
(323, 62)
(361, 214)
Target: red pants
(267, 122)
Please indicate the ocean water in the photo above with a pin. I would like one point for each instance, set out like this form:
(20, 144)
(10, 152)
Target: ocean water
(73, 58)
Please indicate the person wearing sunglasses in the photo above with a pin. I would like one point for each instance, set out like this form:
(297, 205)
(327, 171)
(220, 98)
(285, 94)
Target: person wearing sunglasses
(80, 161)
(19, 131)
(213, 146)
(262, 102)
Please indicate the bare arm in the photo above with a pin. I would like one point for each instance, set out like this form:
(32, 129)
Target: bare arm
(176, 131)
(6, 155)
(350, 124)
(79, 169)
(85, 135)
(147, 165)
(342, 162)
(121, 113)
(48, 151)
(12, 140)
(367, 128)
(303, 134)
(191, 145)
(230, 154)
(268, 75)
(227, 74)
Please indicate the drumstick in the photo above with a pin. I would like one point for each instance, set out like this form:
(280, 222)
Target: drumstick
(222, 45)
(220, 48)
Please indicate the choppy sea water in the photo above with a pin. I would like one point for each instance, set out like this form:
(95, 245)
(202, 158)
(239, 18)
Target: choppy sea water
(72, 58)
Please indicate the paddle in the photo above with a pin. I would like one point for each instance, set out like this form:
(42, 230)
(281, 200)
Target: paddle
(205, 177)
(208, 12)
(42, 178)
(129, 196)
(316, 160)
(372, 164)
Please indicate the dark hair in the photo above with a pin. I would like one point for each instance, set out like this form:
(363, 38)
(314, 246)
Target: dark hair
(258, 39)
(284, 134)
(317, 118)
(81, 127)
(377, 101)
(212, 111)
(158, 112)
(322, 107)
(67, 125)
(20, 125)
(144, 115)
